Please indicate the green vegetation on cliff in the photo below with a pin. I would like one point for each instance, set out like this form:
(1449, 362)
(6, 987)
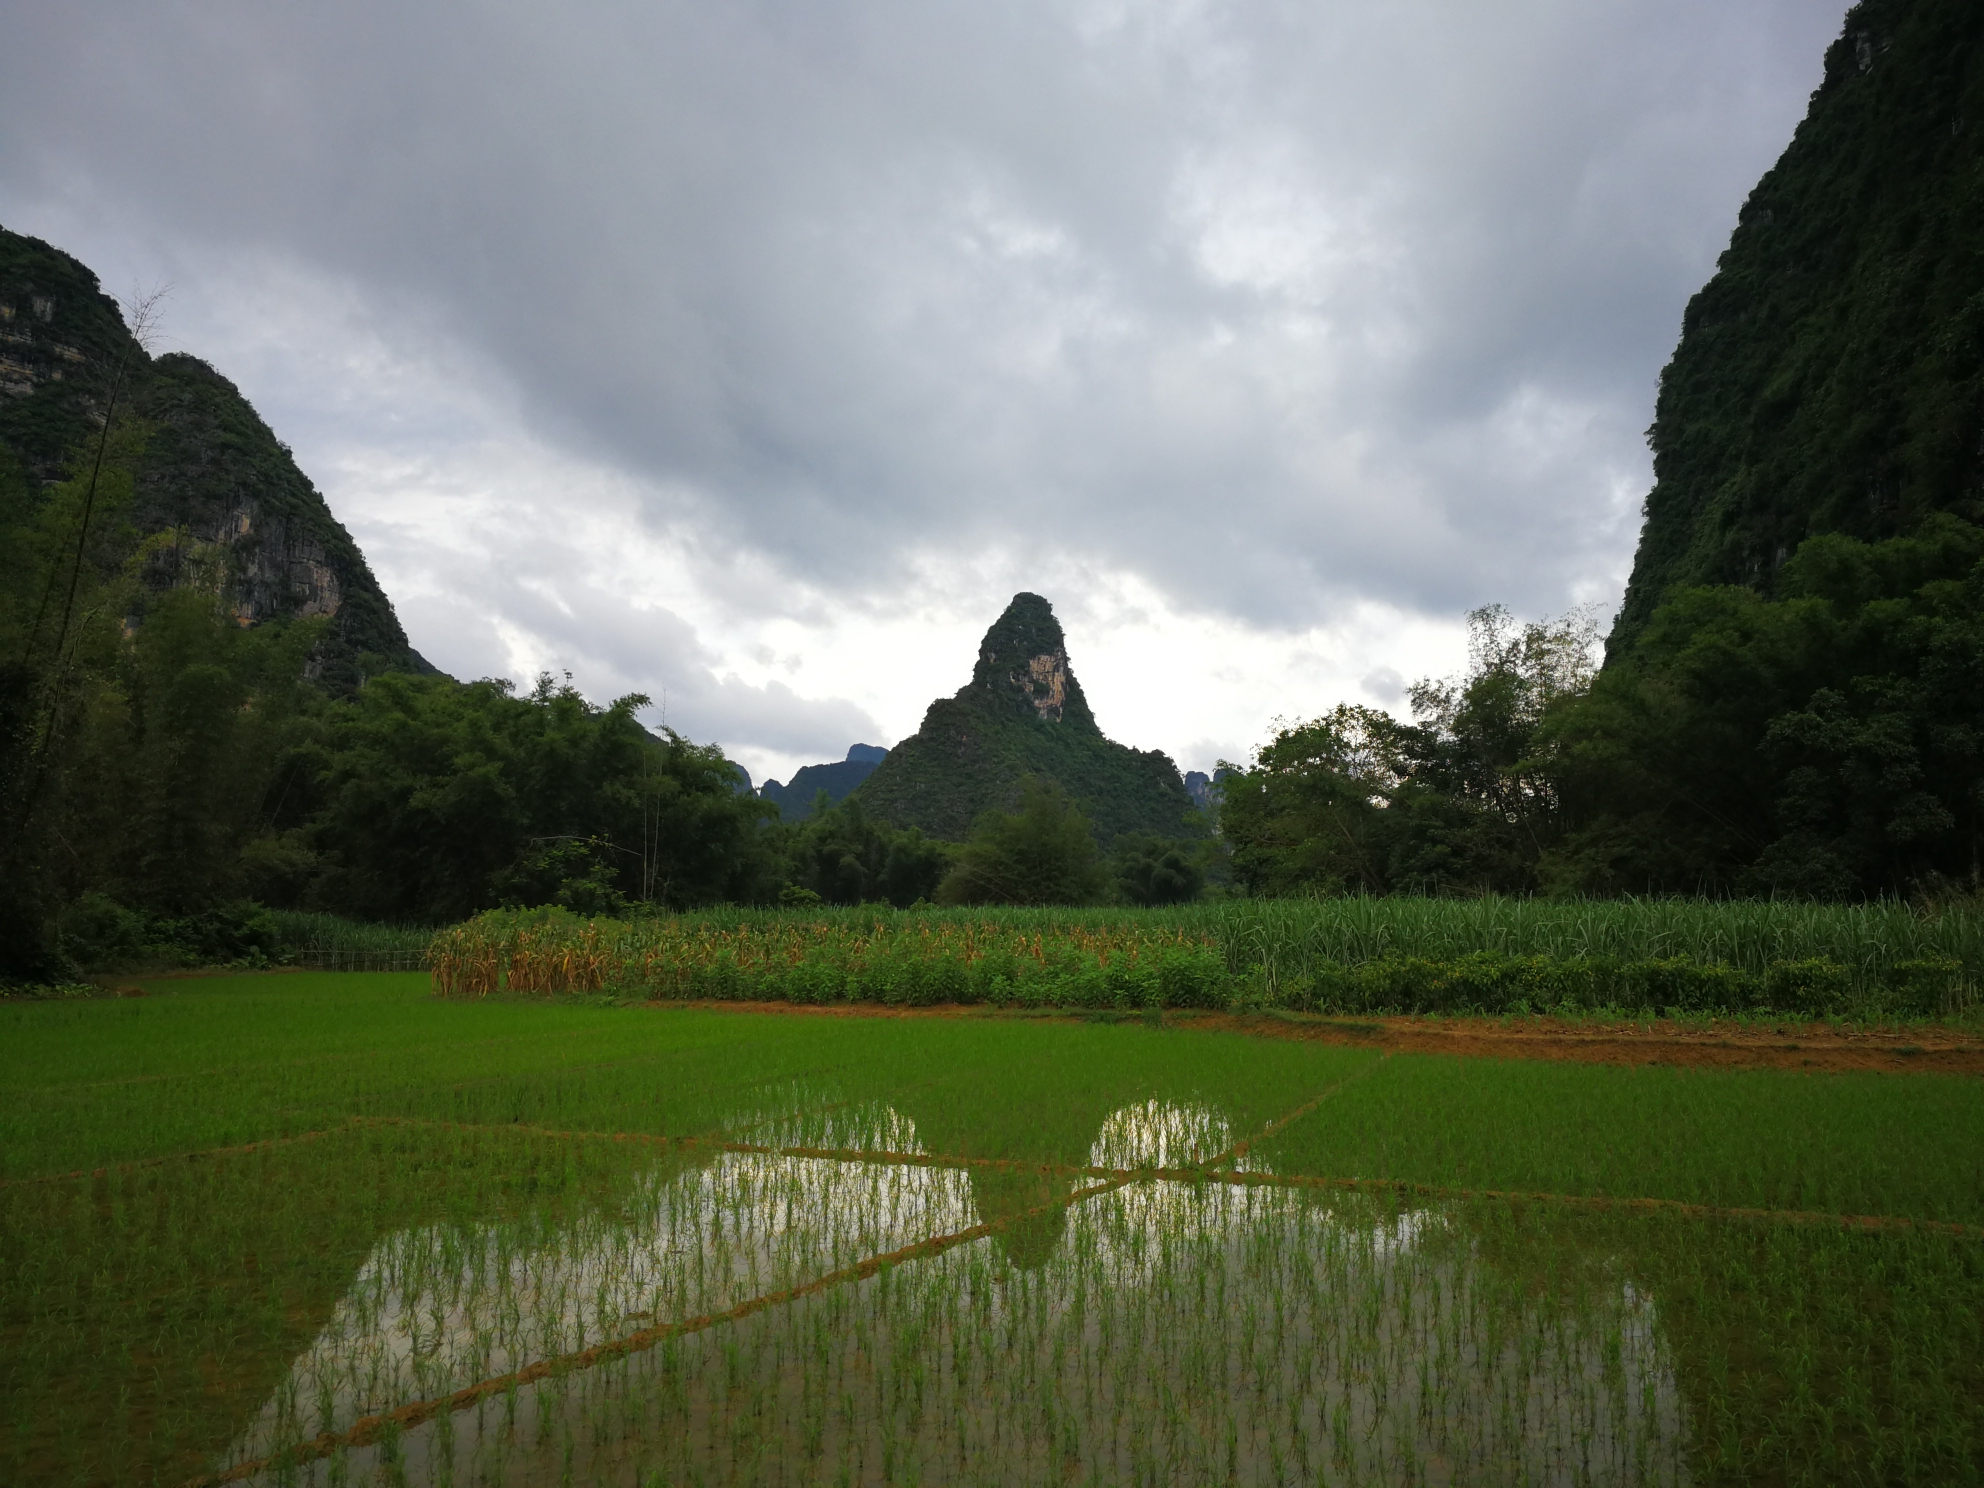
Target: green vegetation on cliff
(797, 797)
(1791, 700)
(214, 495)
(213, 476)
(1024, 714)
(1830, 377)
(206, 700)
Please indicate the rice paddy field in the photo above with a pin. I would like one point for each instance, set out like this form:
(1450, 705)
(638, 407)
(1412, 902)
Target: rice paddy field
(329, 1228)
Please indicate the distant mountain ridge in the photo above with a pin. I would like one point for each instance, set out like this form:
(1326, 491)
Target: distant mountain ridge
(1204, 789)
(1024, 713)
(210, 472)
(839, 779)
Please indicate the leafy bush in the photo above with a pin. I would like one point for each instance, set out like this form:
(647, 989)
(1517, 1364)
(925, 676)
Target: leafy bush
(99, 934)
(845, 855)
(1042, 854)
(1151, 872)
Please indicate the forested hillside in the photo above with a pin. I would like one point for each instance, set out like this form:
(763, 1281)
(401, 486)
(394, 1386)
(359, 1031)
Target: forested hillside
(1024, 714)
(207, 703)
(796, 798)
(1793, 700)
(1830, 377)
(212, 492)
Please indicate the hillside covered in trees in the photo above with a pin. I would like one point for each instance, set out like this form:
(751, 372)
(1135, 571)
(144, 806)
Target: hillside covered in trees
(1793, 697)
(212, 495)
(206, 699)
(1830, 377)
(1023, 715)
(796, 798)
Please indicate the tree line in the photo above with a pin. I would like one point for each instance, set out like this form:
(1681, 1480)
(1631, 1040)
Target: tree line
(1826, 742)
(160, 761)
(163, 767)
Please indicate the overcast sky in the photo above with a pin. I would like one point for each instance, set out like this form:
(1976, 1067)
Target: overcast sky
(756, 352)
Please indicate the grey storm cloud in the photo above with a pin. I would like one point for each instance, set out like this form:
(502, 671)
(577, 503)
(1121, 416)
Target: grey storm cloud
(1276, 305)
(621, 648)
(647, 649)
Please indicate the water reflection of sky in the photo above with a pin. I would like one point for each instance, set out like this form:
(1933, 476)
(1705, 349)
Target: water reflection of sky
(1161, 1134)
(867, 1126)
(1390, 1306)
(438, 1308)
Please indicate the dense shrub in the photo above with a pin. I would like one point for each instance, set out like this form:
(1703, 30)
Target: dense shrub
(99, 934)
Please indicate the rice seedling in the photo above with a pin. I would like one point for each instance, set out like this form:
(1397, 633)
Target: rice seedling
(536, 1241)
(1772, 1139)
(1200, 1332)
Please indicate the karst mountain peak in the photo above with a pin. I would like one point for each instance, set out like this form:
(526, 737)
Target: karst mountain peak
(1024, 658)
(1024, 713)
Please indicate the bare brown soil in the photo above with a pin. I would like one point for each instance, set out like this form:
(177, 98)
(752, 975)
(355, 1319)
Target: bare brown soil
(1717, 1044)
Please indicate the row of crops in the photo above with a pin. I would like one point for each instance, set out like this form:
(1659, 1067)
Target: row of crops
(1333, 956)
(323, 942)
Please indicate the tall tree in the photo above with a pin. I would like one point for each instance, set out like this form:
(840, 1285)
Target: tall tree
(1044, 853)
(1457, 801)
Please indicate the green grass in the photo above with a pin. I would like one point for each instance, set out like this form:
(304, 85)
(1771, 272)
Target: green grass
(164, 1319)
(1851, 1143)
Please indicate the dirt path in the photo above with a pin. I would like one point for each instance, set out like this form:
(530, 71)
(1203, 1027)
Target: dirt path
(1726, 1044)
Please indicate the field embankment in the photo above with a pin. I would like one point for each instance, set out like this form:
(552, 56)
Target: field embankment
(1708, 1042)
(1726, 1043)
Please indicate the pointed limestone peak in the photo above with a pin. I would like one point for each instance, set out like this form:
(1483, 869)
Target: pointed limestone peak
(1024, 657)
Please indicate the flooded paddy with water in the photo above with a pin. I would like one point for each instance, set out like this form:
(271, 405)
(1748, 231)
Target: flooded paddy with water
(709, 1249)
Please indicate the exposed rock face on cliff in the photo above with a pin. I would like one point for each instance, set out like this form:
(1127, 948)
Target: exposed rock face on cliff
(1023, 713)
(208, 476)
(62, 346)
(1205, 789)
(1830, 377)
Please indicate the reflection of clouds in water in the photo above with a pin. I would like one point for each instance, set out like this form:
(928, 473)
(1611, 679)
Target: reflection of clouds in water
(1397, 1316)
(1187, 1322)
(440, 1307)
(1160, 1134)
(1402, 1340)
(1401, 1234)
(870, 1126)
(1133, 1232)
(1132, 1226)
